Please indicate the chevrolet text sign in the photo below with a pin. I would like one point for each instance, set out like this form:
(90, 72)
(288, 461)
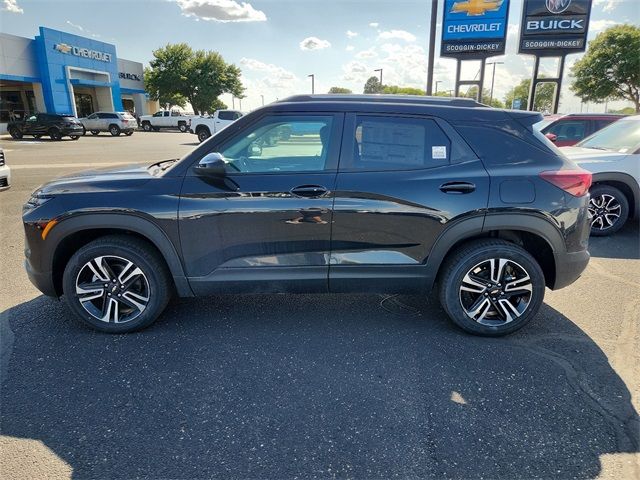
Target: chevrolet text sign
(553, 28)
(474, 28)
(82, 52)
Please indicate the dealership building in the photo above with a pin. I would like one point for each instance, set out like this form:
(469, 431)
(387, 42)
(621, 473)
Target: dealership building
(58, 72)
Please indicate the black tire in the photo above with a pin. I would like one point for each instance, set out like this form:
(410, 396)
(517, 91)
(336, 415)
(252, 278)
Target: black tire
(55, 134)
(146, 126)
(74, 137)
(182, 127)
(37, 137)
(15, 133)
(203, 133)
(128, 133)
(609, 208)
(156, 129)
(155, 277)
(95, 132)
(472, 258)
(84, 131)
(114, 130)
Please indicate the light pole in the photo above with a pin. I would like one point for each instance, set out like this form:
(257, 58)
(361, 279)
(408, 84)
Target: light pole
(262, 97)
(437, 82)
(313, 81)
(493, 77)
(379, 70)
(239, 103)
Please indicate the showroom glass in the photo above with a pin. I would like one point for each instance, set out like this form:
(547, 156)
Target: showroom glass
(622, 136)
(281, 144)
(392, 143)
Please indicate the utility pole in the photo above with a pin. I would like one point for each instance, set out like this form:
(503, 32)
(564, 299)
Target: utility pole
(437, 82)
(379, 70)
(262, 97)
(432, 46)
(239, 103)
(313, 81)
(493, 77)
(233, 102)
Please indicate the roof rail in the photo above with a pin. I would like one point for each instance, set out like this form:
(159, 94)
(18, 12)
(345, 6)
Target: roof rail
(385, 98)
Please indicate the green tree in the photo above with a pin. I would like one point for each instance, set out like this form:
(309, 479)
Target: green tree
(624, 111)
(544, 95)
(339, 90)
(486, 97)
(178, 74)
(611, 67)
(373, 85)
(395, 90)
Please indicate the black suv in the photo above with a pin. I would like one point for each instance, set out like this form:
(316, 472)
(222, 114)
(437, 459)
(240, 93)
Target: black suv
(366, 194)
(47, 124)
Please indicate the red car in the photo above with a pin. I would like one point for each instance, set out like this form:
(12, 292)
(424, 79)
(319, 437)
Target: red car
(567, 130)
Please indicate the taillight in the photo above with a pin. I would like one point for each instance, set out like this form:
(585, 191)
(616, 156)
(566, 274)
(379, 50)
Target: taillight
(575, 182)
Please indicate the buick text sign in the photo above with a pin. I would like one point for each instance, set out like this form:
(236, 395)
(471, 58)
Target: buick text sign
(552, 28)
(474, 29)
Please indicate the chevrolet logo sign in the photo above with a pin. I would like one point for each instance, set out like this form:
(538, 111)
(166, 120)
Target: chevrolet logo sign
(476, 7)
(62, 47)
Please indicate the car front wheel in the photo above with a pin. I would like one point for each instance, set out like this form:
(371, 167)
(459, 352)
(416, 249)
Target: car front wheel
(114, 130)
(609, 209)
(182, 127)
(146, 127)
(55, 134)
(15, 133)
(117, 284)
(491, 287)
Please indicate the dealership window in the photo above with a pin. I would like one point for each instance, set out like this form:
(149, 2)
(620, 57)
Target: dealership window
(392, 143)
(11, 106)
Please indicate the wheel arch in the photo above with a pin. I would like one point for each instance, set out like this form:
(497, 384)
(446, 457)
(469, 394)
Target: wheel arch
(626, 184)
(73, 233)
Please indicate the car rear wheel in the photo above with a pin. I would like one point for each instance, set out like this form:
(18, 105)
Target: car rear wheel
(114, 130)
(491, 287)
(128, 133)
(55, 134)
(15, 133)
(74, 137)
(95, 132)
(117, 284)
(203, 134)
(609, 208)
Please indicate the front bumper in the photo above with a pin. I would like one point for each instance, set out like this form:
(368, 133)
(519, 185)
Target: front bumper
(72, 130)
(5, 177)
(43, 281)
(569, 267)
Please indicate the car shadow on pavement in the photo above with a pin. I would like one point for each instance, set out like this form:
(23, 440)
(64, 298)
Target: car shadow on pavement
(279, 386)
(625, 243)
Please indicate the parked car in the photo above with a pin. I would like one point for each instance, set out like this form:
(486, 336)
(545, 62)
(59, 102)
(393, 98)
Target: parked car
(5, 172)
(204, 127)
(43, 124)
(567, 130)
(392, 194)
(613, 156)
(113, 122)
(165, 119)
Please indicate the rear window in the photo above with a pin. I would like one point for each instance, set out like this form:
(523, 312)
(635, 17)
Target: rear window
(226, 115)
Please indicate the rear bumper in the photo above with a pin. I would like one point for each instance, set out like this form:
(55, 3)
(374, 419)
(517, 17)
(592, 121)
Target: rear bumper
(569, 267)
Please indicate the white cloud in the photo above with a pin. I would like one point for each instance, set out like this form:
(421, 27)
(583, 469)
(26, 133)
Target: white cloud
(314, 43)
(397, 34)
(275, 77)
(351, 34)
(74, 25)
(221, 10)
(364, 54)
(600, 25)
(607, 5)
(350, 48)
(12, 6)
(356, 72)
(374, 24)
(80, 28)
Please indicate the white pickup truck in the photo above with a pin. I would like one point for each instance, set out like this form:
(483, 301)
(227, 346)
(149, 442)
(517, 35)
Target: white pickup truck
(165, 119)
(204, 127)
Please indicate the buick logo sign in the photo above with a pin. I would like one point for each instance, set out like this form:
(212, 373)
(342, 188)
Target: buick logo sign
(557, 6)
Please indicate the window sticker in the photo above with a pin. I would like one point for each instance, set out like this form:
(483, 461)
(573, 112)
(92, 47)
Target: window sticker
(439, 152)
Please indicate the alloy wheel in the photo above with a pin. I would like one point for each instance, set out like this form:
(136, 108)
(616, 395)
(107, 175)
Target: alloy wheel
(112, 289)
(495, 292)
(605, 210)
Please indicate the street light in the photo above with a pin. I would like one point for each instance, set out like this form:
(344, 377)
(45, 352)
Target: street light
(493, 76)
(379, 70)
(313, 81)
(437, 82)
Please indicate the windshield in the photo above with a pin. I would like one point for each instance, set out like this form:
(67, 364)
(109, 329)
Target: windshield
(543, 123)
(622, 136)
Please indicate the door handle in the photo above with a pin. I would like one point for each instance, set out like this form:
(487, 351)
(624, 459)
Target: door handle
(457, 187)
(308, 191)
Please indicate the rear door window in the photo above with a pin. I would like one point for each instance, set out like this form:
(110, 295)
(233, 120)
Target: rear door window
(396, 143)
(569, 130)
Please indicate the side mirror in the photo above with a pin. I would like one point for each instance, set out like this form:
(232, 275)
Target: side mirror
(551, 136)
(255, 150)
(212, 164)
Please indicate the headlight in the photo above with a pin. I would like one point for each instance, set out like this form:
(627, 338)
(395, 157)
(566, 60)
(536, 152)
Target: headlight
(37, 199)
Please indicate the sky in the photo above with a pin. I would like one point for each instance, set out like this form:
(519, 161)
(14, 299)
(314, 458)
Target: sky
(278, 43)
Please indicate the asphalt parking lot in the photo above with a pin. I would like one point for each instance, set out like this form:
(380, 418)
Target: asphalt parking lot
(311, 386)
